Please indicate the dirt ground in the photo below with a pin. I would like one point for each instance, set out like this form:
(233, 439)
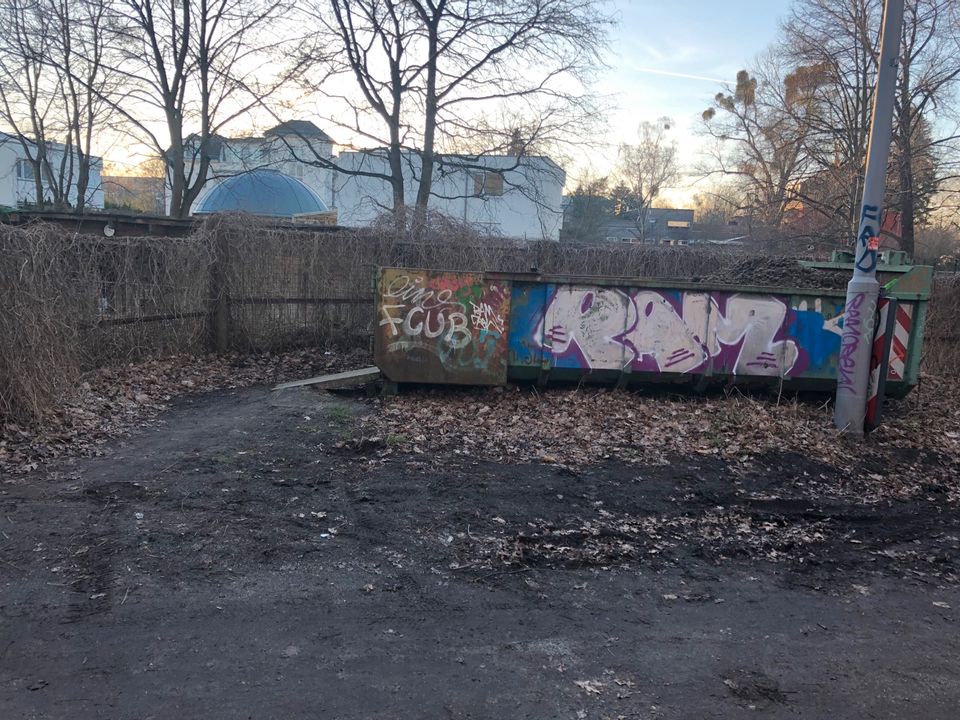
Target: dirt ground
(256, 555)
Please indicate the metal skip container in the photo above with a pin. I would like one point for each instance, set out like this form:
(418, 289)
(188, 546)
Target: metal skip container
(465, 328)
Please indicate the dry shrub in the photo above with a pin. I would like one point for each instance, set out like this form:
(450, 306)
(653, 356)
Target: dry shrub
(941, 344)
(70, 303)
(40, 311)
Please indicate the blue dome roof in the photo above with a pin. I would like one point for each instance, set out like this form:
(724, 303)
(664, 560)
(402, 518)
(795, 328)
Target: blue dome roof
(261, 192)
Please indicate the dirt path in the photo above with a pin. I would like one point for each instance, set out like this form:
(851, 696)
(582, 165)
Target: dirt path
(249, 558)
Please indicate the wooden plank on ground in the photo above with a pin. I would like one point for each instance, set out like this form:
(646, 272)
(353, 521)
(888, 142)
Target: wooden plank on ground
(335, 381)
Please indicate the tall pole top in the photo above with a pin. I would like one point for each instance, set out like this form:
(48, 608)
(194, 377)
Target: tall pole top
(878, 149)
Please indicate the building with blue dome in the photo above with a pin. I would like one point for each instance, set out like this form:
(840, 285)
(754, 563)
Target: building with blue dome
(293, 171)
(264, 192)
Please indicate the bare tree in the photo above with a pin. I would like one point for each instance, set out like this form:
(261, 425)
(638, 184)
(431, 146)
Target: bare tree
(429, 75)
(590, 206)
(51, 78)
(196, 66)
(927, 82)
(758, 131)
(82, 28)
(646, 170)
(29, 90)
(840, 38)
(717, 204)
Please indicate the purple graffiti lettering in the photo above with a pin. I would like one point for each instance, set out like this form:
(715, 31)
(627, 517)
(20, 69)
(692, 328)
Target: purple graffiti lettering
(651, 331)
(849, 342)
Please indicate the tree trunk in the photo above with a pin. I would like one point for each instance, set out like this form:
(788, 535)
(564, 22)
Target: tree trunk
(906, 201)
(38, 181)
(83, 182)
(430, 125)
(904, 130)
(177, 180)
(396, 175)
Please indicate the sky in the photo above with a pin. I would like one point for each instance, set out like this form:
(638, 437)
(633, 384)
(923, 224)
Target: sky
(670, 58)
(666, 57)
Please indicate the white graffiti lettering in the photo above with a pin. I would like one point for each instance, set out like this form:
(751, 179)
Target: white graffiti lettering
(423, 312)
(612, 329)
(485, 317)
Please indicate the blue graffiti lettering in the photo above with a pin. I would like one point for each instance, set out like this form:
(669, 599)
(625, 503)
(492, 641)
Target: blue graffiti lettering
(867, 259)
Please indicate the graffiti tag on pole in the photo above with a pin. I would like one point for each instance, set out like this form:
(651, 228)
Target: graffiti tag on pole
(869, 240)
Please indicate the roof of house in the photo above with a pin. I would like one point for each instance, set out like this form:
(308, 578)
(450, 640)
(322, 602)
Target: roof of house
(6, 137)
(261, 192)
(301, 128)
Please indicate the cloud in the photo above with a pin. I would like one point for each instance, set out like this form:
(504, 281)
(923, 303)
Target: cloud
(685, 76)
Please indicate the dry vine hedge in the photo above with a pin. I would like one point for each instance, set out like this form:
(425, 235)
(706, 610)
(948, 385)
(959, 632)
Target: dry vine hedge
(70, 303)
(285, 285)
(941, 346)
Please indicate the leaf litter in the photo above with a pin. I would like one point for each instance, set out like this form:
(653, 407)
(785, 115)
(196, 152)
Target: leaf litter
(796, 491)
(916, 450)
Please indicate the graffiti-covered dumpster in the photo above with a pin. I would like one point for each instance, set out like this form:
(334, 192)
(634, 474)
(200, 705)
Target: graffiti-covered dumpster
(436, 326)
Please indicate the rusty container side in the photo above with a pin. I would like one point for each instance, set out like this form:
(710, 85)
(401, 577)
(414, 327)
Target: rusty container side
(441, 327)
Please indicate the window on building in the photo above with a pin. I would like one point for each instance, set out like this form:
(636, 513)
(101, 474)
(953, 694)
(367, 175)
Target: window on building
(216, 150)
(25, 170)
(295, 169)
(487, 183)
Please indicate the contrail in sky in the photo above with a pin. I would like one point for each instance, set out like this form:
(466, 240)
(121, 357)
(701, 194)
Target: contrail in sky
(686, 76)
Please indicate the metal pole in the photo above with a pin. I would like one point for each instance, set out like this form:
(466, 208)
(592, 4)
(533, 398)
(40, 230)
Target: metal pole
(863, 291)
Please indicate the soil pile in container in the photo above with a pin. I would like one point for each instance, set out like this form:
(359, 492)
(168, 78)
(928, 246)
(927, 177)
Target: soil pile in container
(777, 272)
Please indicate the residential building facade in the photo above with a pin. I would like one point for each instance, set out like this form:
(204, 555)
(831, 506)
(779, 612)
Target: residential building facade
(18, 186)
(664, 226)
(516, 197)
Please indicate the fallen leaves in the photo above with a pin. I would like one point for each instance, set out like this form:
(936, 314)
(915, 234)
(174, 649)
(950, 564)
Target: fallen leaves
(610, 539)
(915, 450)
(590, 687)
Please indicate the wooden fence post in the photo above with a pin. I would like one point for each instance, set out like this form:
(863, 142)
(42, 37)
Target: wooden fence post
(219, 292)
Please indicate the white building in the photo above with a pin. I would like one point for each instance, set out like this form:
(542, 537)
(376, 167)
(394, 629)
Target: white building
(290, 148)
(517, 197)
(18, 187)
